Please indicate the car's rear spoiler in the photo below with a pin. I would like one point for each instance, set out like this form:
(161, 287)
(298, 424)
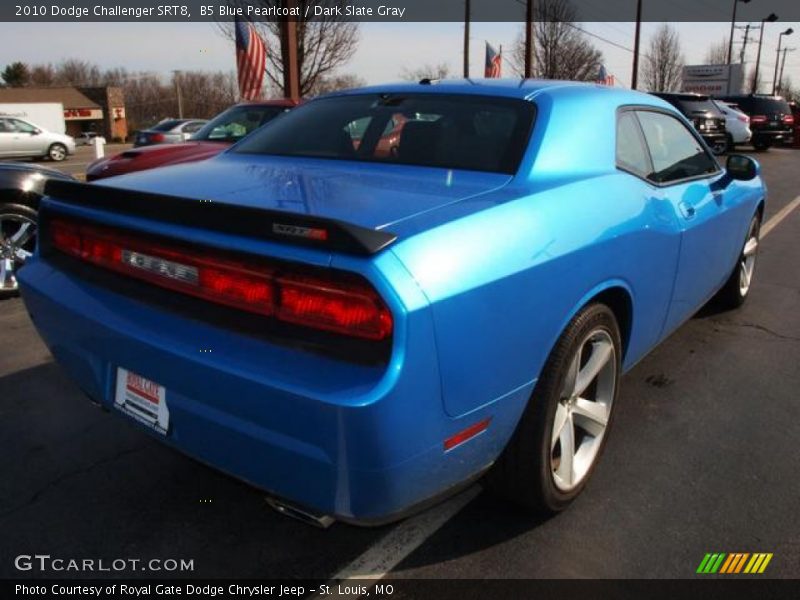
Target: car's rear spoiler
(316, 232)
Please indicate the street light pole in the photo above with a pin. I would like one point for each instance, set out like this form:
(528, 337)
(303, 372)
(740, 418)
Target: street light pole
(466, 38)
(635, 74)
(733, 24)
(789, 31)
(770, 19)
(528, 39)
(176, 76)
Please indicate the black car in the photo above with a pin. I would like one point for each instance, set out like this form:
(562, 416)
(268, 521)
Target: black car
(705, 117)
(771, 119)
(21, 187)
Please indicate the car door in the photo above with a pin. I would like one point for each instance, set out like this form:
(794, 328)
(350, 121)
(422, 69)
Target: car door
(7, 135)
(27, 140)
(705, 208)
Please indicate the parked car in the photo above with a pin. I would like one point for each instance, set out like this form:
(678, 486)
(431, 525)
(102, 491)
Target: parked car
(169, 131)
(218, 134)
(85, 138)
(360, 332)
(704, 115)
(22, 139)
(21, 188)
(737, 123)
(771, 118)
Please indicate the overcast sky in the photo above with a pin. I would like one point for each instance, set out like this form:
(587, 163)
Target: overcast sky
(384, 50)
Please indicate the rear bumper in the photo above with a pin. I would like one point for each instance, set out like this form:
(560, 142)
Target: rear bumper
(361, 443)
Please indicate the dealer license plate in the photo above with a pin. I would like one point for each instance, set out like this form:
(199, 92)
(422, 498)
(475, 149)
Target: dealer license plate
(142, 399)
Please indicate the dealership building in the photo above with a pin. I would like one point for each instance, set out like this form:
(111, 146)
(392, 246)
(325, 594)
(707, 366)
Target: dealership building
(97, 109)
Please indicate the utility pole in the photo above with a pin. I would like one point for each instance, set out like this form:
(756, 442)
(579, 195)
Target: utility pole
(783, 64)
(528, 39)
(466, 38)
(733, 24)
(747, 29)
(176, 77)
(291, 68)
(636, 39)
(789, 31)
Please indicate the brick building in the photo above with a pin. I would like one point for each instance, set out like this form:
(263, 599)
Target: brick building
(99, 109)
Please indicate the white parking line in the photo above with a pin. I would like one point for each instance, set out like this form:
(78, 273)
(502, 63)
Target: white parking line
(402, 540)
(779, 216)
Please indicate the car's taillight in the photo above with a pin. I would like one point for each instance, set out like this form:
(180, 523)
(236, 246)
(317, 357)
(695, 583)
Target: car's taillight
(743, 118)
(345, 304)
(349, 309)
(156, 137)
(788, 119)
(758, 119)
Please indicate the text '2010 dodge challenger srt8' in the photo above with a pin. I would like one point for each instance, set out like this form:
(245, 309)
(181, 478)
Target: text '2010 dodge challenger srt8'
(360, 332)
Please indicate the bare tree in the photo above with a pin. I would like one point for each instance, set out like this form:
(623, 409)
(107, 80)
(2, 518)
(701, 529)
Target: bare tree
(324, 43)
(73, 71)
(338, 82)
(663, 62)
(717, 53)
(43, 75)
(426, 71)
(561, 50)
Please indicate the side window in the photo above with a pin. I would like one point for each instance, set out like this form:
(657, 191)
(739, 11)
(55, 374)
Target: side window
(631, 152)
(22, 126)
(676, 153)
(5, 126)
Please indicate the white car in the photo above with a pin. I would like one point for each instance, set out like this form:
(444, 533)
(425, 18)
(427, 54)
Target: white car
(85, 138)
(736, 123)
(20, 139)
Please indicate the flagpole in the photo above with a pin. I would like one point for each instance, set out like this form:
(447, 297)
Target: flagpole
(291, 69)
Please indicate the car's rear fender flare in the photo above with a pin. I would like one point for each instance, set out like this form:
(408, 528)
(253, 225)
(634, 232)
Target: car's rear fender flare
(618, 295)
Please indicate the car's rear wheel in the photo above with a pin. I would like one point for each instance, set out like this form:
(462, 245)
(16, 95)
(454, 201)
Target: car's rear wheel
(57, 152)
(720, 146)
(17, 241)
(735, 291)
(761, 145)
(560, 437)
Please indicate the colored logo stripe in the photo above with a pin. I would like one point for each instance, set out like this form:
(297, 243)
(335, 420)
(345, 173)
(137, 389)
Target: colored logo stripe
(733, 563)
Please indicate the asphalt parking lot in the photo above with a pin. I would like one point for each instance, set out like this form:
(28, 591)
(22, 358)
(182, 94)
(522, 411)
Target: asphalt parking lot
(703, 458)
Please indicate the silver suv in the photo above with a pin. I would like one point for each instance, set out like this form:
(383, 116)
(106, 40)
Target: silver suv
(21, 138)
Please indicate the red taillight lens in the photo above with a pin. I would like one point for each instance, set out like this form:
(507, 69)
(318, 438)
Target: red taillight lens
(156, 137)
(758, 119)
(353, 309)
(350, 306)
(743, 118)
(788, 119)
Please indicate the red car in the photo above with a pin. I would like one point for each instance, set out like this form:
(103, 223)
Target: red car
(215, 136)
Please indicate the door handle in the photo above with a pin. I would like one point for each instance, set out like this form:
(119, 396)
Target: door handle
(688, 211)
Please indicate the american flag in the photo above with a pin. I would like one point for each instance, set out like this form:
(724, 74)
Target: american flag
(251, 60)
(494, 59)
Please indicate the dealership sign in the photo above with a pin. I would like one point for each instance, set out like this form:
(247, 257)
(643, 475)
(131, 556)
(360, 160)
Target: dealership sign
(714, 80)
(79, 114)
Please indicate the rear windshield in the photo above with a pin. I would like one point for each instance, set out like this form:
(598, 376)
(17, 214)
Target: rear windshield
(764, 106)
(478, 133)
(166, 125)
(236, 122)
(697, 107)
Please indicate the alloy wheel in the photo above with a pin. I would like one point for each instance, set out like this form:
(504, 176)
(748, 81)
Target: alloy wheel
(17, 238)
(747, 262)
(583, 412)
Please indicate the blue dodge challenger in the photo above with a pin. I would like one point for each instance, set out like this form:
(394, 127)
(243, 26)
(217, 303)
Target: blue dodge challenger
(392, 291)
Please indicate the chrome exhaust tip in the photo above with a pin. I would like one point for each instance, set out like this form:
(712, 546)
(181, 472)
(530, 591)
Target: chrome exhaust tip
(301, 514)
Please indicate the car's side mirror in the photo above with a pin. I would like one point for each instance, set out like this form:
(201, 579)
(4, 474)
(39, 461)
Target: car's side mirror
(741, 167)
(35, 131)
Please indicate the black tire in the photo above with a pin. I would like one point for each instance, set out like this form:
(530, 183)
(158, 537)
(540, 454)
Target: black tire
(720, 147)
(761, 145)
(524, 472)
(57, 152)
(733, 294)
(14, 211)
(731, 143)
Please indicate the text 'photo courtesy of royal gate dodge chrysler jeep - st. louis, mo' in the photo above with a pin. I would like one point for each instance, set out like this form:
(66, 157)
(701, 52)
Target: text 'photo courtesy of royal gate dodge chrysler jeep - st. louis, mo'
(359, 330)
